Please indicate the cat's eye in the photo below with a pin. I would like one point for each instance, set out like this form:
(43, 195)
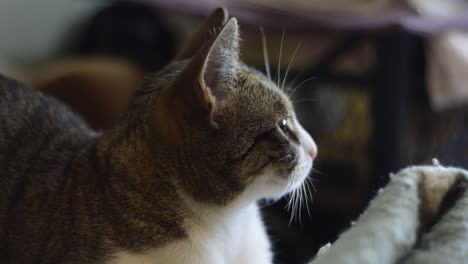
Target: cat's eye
(283, 125)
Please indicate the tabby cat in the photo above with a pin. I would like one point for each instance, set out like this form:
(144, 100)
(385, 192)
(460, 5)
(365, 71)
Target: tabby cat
(176, 180)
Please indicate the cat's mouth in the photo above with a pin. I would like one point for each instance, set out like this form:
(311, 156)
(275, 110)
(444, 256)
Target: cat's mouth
(290, 177)
(278, 179)
(299, 173)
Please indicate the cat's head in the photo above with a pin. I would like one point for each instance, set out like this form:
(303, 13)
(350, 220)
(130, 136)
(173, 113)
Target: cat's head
(230, 131)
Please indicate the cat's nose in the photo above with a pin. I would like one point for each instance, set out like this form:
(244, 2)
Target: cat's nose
(307, 142)
(311, 148)
(313, 153)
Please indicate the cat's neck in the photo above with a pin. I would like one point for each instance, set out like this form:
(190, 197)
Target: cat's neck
(208, 216)
(127, 158)
(134, 167)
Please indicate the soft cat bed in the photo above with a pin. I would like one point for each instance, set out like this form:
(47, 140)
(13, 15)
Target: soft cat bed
(420, 217)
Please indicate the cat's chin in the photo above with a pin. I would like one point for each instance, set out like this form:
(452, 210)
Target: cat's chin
(299, 175)
(272, 184)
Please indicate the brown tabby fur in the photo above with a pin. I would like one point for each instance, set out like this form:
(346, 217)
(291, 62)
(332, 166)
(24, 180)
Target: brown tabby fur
(70, 195)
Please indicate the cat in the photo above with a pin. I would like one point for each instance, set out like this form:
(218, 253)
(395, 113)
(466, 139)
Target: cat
(176, 179)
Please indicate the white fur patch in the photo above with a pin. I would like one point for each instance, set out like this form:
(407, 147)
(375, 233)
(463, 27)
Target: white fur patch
(240, 238)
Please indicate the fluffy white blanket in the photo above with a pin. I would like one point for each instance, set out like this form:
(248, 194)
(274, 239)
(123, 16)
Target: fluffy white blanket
(420, 217)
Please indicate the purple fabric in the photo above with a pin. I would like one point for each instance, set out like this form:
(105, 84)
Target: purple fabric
(404, 19)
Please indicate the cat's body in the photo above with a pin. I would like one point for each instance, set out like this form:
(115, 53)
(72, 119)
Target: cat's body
(176, 179)
(40, 139)
(62, 196)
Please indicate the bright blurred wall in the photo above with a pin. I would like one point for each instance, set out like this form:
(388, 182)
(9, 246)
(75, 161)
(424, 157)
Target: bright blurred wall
(32, 31)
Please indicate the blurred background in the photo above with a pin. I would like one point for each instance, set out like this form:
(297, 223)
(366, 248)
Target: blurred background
(379, 84)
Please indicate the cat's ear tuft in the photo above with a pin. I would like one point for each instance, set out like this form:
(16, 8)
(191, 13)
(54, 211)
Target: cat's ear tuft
(205, 32)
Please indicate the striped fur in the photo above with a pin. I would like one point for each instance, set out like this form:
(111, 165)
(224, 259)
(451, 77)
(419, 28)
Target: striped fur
(198, 145)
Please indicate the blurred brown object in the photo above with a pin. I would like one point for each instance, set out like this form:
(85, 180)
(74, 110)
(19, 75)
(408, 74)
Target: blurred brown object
(97, 88)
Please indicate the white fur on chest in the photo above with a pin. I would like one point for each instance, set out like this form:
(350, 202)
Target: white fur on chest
(240, 238)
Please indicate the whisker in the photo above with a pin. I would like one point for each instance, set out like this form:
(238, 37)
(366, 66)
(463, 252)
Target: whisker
(292, 200)
(288, 185)
(316, 171)
(300, 84)
(301, 199)
(294, 80)
(279, 58)
(265, 53)
(284, 192)
(311, 181)
(291, 196)
(309, 196)
(290, 63)
(290, 206)
(305, 100)
(294, 207)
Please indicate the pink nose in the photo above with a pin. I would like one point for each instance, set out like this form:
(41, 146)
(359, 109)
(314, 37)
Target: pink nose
(313, 154)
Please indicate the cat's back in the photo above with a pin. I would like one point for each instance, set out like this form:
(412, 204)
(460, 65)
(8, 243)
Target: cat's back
(22, 106)
(38, 134)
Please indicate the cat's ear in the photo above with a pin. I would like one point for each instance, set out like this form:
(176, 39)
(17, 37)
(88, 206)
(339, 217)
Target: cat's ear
(206, 31)
(205, 82)
(217, 64)
(209, 75)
